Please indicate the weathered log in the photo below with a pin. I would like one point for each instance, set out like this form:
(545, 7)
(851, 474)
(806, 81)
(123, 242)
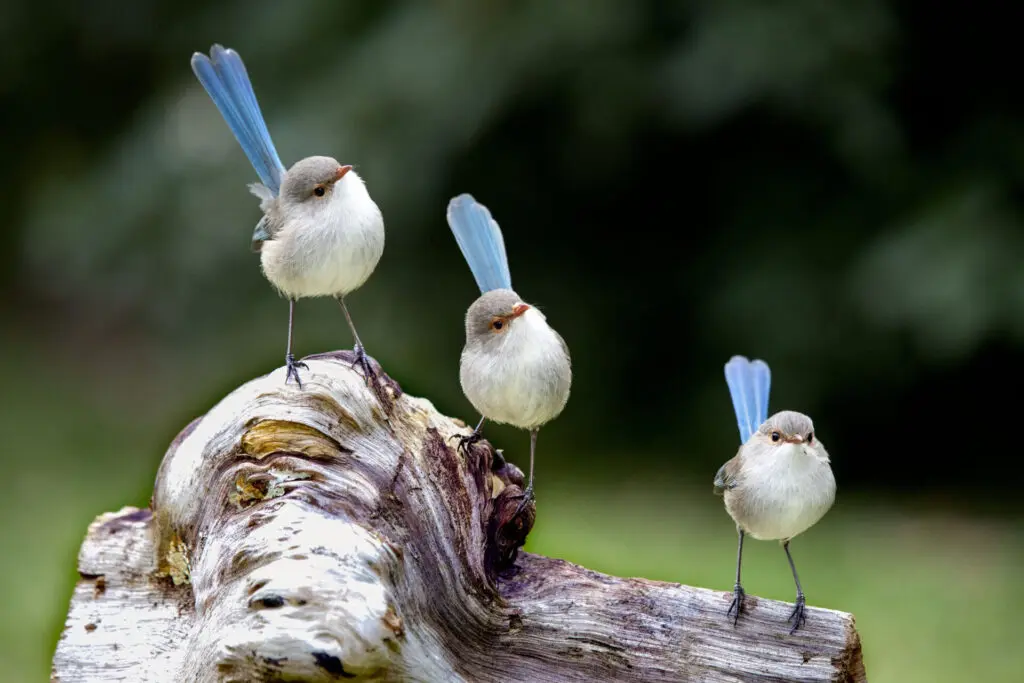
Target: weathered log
(313, 535)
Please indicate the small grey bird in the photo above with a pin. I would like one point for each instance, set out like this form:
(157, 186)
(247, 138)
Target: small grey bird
(321, 234)
(780, 482)
(515, 369)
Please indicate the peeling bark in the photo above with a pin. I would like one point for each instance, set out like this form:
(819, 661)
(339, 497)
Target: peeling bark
(315, 535)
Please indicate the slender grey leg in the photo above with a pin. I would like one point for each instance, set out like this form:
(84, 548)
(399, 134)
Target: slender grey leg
(362, 360)
(533, 450)
(528, 493)
(289, 358)
(351, 325)
(797, 616)
(737, 590)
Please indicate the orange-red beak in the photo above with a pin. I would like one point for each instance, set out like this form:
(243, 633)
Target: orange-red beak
(519, 309)
(342, 170)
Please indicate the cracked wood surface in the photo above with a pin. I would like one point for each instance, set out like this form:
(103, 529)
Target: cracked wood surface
(315, 535)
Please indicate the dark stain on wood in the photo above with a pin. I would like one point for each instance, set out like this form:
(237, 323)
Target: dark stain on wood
(850, 663)
(331, 664)
(507, 531)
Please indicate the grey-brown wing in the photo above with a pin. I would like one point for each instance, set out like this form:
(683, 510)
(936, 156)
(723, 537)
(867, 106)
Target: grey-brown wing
(265, 231)
(270, 224)
(726, 477)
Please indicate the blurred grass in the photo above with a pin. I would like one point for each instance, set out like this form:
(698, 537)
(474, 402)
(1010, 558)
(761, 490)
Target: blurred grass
(936, 596)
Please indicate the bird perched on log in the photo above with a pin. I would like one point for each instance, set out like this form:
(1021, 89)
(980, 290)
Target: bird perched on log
(780, 482)
(515, 369)
(321, 234)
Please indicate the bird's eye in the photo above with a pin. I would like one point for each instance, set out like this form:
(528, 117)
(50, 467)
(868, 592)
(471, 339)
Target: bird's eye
(319, 190)
(810, 437)
(776, 436)
(497, 323)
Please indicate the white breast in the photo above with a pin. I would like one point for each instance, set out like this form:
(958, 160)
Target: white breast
(782, 493)
(329, 250)
(525, 382)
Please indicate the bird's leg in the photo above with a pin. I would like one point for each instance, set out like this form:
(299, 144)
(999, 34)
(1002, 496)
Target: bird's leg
(362, 360)
(737, 590)
(797, 616)
(289, 358)
(465, 441)
(528, 493)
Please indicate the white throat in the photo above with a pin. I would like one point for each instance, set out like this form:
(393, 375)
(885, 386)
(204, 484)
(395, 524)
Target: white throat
(530, 333)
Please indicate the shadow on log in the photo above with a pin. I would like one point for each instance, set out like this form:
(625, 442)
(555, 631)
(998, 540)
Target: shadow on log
(312, 535)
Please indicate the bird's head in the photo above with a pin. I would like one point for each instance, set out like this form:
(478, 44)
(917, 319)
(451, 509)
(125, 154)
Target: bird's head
(498, 315)
(317, 181)
(788, 431)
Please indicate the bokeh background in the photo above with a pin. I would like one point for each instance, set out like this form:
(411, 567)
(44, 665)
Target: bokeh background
(834, 187)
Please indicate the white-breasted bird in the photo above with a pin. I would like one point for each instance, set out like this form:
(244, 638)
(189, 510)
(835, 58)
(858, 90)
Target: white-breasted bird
(515, 369)
(321, 234)
(780, 483)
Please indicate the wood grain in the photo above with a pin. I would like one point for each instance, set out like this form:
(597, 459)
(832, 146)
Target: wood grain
(312, 535)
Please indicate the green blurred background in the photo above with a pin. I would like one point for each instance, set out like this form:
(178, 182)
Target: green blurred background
(834, 187)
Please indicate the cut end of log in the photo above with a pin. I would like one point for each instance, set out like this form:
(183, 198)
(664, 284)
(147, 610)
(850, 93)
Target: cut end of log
(315, 534)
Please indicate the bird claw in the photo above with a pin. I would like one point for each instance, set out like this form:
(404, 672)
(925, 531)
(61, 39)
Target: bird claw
(465, 441)
(798, 615)
(362, 361)
(738, 596)
(527, 496)
(293, 369)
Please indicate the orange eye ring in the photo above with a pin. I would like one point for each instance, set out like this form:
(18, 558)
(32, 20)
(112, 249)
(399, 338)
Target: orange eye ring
(319, 190)
(498, 324)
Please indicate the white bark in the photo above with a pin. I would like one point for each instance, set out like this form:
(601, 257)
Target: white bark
(314, 535)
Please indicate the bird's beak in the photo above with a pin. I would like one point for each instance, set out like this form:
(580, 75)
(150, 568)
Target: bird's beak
(342, 170)
(519, 309)
(796, 439)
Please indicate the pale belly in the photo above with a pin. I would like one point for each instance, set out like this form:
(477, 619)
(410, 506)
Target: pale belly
(780, 503)
(525, 394)
(323, 261)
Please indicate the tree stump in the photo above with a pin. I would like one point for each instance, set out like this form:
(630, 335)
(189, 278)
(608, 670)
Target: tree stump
(316, 535)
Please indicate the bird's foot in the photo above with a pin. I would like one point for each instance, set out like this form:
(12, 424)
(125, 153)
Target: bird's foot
(738, 596)
(293, 369)
(362, 361)
(465, 441)
(798, 616)
(526, 498)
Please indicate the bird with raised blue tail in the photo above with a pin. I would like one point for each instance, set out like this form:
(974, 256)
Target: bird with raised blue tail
(515, 369)
(321, 234)
(780, 482)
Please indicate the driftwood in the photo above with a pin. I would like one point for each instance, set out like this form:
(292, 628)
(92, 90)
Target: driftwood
(315, 535)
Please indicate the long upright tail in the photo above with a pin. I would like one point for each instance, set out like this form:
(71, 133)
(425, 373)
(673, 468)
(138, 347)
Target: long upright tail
(225, 79)
(480, 240)
(749, 383)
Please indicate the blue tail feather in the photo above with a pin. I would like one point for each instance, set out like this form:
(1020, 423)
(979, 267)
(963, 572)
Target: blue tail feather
(224, 76)
(479, 238)
(749, 386)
